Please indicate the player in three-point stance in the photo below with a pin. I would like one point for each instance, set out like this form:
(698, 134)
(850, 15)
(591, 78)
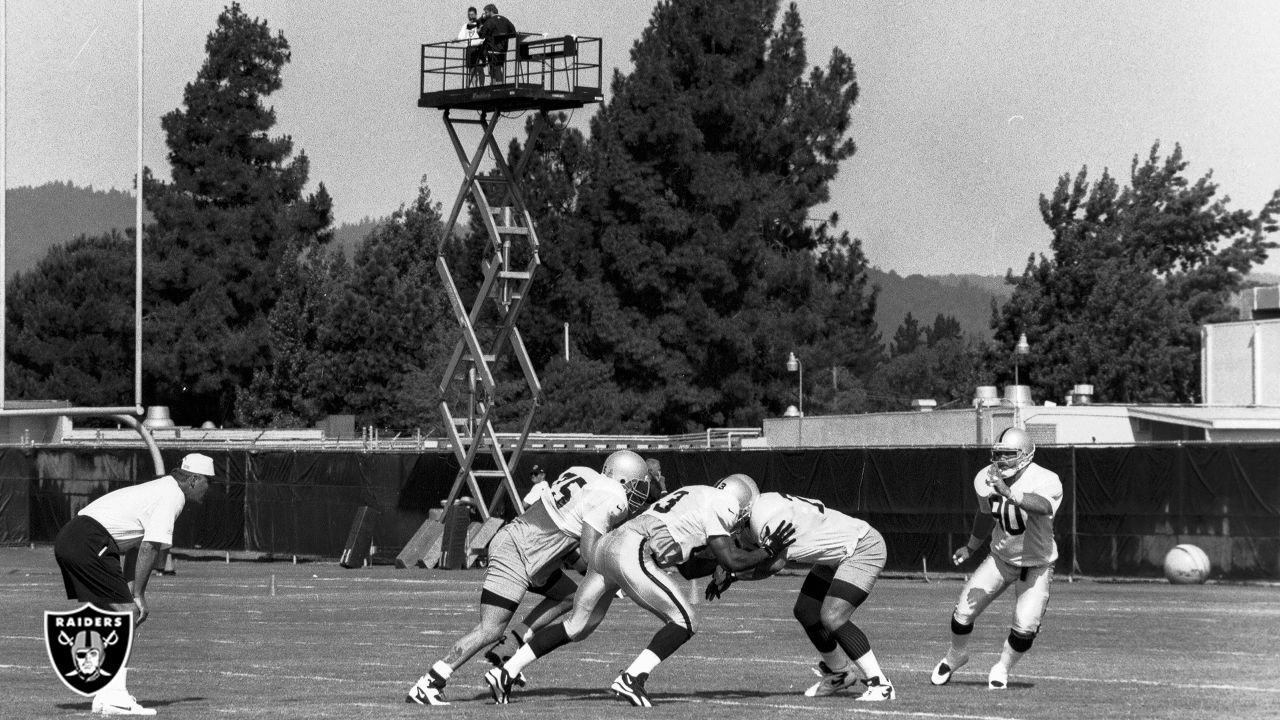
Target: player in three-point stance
(632, 558)
(847, 555)
(1017, 500)
(545, 614)
(574, 512)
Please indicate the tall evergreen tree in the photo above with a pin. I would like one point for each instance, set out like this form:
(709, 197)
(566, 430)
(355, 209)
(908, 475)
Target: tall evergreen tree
(691, 267)
(945, 327)
(368, 338)
(907, 337)
(71, 324)
(233, 212)
(1135, 271)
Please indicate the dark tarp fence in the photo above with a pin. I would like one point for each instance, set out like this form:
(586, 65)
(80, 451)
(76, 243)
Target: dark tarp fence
(1123, 507)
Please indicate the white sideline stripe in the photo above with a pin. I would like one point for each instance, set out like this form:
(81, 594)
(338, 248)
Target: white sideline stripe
(1019, 676)
(1154, 683)
(869, 711)
(323, 678)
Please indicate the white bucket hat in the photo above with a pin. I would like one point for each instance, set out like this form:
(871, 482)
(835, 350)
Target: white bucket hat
(199, 464)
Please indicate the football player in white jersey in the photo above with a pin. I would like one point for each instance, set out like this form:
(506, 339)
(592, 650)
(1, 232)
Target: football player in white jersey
(1017, 500)
(574, 512)
(847, 556)
(632, 559)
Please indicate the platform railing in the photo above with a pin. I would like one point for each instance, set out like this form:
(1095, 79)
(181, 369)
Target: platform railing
(562, 63)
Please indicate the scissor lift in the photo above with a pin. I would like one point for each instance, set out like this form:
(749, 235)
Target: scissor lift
(542, 75)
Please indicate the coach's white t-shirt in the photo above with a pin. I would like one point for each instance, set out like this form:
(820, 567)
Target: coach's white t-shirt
(138, 513)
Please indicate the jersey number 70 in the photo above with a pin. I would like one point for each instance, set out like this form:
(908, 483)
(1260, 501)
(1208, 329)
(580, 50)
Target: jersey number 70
(1010, 516)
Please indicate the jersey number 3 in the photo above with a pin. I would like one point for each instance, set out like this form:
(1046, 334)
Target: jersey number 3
(1010, 516)
(669, 501)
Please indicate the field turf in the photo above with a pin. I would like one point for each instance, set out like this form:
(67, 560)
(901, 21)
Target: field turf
(337, 643)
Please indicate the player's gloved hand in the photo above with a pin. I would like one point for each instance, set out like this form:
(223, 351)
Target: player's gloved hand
(779, 539)
(720, 581)
(959, 556)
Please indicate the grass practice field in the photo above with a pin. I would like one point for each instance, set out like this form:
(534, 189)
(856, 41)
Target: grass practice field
(338, 643)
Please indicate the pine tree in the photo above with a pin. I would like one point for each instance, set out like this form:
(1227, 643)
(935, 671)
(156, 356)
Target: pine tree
(71, 325)
(232, 214)
(690, 265)
(1135, 271)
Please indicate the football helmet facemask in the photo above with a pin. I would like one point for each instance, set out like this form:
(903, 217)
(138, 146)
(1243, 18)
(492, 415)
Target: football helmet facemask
(631, 470)
(745, 490)
(1012, 451)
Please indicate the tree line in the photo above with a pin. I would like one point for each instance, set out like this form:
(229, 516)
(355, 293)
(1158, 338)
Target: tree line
(679, 248)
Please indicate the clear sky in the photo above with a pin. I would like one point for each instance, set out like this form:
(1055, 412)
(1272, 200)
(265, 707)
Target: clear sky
(969, 110)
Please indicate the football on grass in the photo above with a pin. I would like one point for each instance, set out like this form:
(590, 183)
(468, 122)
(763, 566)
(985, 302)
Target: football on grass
(1186, 565)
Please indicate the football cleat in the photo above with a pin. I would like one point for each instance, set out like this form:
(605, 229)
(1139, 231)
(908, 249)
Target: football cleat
(499, 685)
(502, 651)
(877, 691)
(119, 704)
(426, 694)
(631, 689)
(942, 672)
(998, 679)
(831, 682)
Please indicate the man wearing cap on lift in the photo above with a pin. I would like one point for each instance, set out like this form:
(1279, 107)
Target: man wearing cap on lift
(135, 522)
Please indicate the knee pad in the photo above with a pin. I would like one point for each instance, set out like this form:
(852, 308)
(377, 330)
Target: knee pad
(958, 629)
(807, 611)
(1019, 642)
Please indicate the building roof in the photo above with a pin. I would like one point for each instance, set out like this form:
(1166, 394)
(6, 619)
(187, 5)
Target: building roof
(1211, 417)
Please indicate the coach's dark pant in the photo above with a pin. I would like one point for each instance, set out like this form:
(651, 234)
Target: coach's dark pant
(90, 562)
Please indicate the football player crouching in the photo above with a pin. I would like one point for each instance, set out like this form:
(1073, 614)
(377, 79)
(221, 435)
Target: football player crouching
(847, 556)
(633, 558)
(571, 514)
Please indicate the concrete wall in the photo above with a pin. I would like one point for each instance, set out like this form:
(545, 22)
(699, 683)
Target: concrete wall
(939, 427)
(1240, 363)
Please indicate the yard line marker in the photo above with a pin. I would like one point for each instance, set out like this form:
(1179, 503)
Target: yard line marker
(891, 713)
(1155, 683)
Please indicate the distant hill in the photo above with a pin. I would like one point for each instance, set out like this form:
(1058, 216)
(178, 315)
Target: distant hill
(967, 298)
(348, 236)
(39, 218)
(55, 213)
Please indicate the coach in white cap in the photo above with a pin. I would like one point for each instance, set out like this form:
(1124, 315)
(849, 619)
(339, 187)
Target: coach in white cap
(140, 517)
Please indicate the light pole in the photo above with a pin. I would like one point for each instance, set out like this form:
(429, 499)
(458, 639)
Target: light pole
(794, 365)
(1022, 348)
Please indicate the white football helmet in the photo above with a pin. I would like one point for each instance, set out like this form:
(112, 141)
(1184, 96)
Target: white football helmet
(631, 470)
(1012, 451)
(745, 490)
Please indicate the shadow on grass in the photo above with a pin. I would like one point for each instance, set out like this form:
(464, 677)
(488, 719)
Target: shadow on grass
(603, 694)
(982, 684)
(87, 706)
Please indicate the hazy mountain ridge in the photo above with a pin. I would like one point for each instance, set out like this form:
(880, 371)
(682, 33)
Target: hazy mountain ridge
(41, 217)
(38, 218)
(967, 298)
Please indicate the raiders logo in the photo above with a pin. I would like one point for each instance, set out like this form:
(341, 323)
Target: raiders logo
(88, 646)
